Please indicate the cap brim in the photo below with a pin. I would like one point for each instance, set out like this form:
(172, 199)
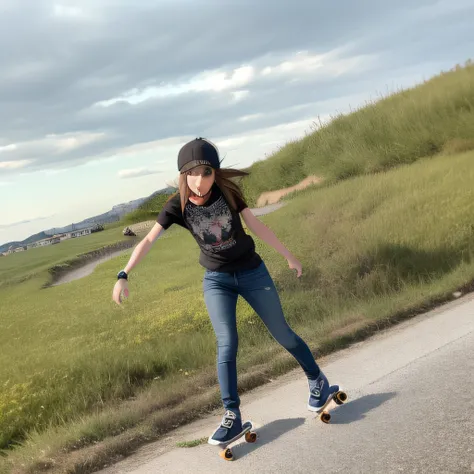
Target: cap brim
(194, 164)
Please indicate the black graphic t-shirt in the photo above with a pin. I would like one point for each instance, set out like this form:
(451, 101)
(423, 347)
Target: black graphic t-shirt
(217, 228)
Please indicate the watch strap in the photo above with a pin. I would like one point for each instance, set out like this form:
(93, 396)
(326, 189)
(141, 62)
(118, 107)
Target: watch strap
(122, 275)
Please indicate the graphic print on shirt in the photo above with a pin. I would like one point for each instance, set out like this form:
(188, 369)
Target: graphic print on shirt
(212, 225)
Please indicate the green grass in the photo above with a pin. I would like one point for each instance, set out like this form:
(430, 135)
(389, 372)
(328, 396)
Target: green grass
(80, 372)
(191, 444)
(147, 211)
(434, 117)
(370, 247)
(38, 262)
(35, 263)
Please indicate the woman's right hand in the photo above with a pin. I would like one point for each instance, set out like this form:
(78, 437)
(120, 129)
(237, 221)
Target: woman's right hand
(120, 288)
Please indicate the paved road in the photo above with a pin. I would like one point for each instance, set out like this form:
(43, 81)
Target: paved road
(411, 410)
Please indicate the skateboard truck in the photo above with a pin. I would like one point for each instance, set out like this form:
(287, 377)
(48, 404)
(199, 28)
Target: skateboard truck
(250, 437)
(339, 397)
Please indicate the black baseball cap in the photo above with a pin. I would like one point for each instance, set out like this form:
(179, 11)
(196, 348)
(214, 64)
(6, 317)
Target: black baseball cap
(198, 152)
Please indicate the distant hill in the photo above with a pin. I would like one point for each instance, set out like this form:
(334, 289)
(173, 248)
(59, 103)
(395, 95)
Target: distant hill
(29, 240)
(114, 215)
(151, 197)
(148, 208)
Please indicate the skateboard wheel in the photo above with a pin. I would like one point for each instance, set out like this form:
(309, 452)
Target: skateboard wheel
(226, 454)
(250, 437)
(325, 417)
(340, 397)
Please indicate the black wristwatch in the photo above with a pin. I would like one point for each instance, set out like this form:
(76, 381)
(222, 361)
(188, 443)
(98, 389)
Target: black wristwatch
(122, 275)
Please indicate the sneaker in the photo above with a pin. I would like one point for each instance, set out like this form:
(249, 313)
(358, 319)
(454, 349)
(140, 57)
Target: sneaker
(230, 427)
(319, 392)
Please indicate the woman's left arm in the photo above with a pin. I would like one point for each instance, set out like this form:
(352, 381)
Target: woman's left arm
(258, 228)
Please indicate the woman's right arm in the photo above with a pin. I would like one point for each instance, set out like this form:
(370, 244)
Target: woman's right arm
(143, 247)
(121, 286)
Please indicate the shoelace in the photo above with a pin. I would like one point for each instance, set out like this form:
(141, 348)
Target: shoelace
(228, 419)
(316, 390)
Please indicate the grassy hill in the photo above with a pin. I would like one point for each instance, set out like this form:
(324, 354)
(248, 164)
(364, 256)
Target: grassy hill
(29, 240)
(148, 210)
(436, 117)
(390, 232)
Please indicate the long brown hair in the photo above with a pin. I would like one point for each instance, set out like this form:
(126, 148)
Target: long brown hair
(223, 179)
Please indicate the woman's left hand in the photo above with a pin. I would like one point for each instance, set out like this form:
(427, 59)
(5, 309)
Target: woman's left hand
(294, 264)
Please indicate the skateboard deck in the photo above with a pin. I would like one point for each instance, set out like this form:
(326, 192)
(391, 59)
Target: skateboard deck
(250, 436)
(339, 398)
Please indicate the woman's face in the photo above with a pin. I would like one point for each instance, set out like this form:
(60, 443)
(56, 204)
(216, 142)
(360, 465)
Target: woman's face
(200, 181)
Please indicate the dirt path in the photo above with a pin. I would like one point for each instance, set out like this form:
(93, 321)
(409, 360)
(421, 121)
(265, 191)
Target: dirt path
(87, 269)
(140, 228)
(272, 197)
(266, 203)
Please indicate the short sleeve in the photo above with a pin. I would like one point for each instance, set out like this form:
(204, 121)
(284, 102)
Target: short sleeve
(240, 203)
(171, 213)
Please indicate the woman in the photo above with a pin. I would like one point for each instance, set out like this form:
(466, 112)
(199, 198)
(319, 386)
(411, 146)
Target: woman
(210, 205)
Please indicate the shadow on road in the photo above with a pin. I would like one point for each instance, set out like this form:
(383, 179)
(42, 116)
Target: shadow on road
(356, 410)
(267, 434)
(348, 413)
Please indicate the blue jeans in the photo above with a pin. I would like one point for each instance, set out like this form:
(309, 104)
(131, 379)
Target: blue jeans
(221, 291)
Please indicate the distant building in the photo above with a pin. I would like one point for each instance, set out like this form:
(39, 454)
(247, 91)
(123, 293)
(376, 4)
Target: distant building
(80, 233)
(55, 239)
(58, 238)
(44, 242)
(12, 249)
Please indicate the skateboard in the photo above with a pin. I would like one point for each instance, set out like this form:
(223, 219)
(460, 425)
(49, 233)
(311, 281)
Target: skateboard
(339, 397)
(250, 436)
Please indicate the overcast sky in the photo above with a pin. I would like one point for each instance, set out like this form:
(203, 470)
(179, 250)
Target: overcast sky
(97, 96)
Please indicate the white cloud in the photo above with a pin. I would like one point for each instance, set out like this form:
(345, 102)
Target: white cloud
(26, 221)
(49, 145)
(219, 81)
(239, 95)
(53, 172)
(67, 11)
(216, 81)
(328, 65)
(10, 147)
(72, 141)
(11, 165)
(167, 144)
(258, 141)
(302, 63)
(243, 149)
(136, 173)
(246, 118)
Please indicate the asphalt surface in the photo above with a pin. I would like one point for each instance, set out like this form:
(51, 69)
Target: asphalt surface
(410, 410)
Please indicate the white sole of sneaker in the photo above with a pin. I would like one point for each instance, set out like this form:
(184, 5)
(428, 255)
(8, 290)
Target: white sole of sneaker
(247, 426)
